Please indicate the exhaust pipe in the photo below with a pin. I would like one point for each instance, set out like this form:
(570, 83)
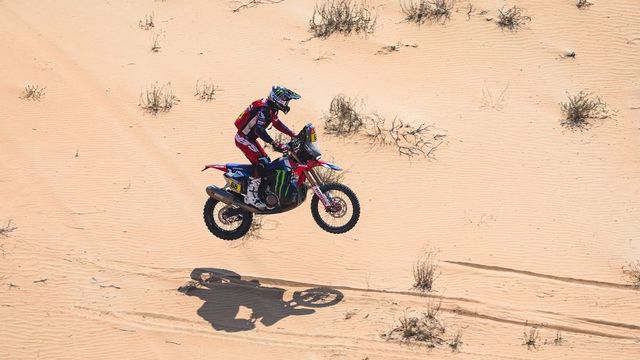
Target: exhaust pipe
(223, 196)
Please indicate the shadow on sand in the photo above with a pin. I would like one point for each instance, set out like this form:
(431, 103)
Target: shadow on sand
(224, 292)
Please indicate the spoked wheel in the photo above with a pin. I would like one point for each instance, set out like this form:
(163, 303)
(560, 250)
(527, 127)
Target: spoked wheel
(225, 221)
(344, 212)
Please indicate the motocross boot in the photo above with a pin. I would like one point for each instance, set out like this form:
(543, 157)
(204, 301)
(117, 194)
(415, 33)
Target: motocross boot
(252, 194)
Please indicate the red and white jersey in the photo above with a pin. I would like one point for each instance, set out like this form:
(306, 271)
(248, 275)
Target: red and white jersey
(253, 121)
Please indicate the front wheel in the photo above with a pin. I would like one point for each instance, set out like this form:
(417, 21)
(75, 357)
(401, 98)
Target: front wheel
(225, 221)
(344, 212)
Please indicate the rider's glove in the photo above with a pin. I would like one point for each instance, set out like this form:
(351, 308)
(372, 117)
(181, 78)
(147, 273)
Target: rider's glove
(279, 147)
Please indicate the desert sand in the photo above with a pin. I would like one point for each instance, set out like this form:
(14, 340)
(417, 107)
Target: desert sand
(531, 222)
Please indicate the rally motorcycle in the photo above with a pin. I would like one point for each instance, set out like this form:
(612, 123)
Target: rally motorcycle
(334, 206)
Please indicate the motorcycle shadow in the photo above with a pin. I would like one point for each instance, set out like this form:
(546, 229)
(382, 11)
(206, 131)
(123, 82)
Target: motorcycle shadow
(225, 293)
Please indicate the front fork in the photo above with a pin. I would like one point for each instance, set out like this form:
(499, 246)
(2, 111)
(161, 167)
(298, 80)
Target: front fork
(316, 181)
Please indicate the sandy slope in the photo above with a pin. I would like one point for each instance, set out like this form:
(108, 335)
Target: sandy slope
(532, 222)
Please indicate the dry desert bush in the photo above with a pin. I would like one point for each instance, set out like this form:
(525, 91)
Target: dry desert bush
(425, 272)
(632, 273)
(155, 42)
(582, 110)
(408, 139)
(342, 16)
(206, 90)
(158, 98)
(33, 92)
(344, 117)
(7, 229)
(421, 11)
(531, 337)
(254, 3)
(147, 23)
(559, 339)
(512, 19)
(583, 4)
(456, 342)
(426, 329)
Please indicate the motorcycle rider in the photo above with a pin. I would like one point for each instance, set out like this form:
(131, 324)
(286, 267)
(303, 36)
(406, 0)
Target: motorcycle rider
(253, 123)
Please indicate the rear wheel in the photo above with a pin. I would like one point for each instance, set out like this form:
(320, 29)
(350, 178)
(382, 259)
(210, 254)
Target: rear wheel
(344, 212)
(225, 221)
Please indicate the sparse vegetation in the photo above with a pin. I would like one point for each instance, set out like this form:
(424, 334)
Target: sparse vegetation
(33, 92)
(632, 273)
(342, 16)
(426, 330)
(421, 11)
(512, 19)
(155, 42)
(456, 342)
(388, 49)
(206, 90)
(582, 110)
(409, 140)
(531, 337)
(344, 119)
(489, 100)
(425, 272)
(256, 228)
(559, 339)
(254, 3)
(147, 23)
(158, 99)
(7, 229)
(583, 4)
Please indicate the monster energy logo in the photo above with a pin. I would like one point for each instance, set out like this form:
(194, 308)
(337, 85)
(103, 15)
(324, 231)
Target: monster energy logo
(281, 180)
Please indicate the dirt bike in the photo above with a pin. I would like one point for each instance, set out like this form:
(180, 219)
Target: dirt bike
(335, 207)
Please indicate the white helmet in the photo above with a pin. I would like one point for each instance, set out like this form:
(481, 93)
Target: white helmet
(280, 96)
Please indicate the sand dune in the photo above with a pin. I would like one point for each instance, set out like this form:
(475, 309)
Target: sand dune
(532, 222)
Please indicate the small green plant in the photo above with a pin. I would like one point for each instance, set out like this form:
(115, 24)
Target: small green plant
(632, 273)
(583, 4)
(206, 90)
(33, 92)
(421, 11)
(531, 337)
(147, 23)
(158, 98)
(342, 16)
(512, 19)
(582, 110)
(425, 272)
(344, 118)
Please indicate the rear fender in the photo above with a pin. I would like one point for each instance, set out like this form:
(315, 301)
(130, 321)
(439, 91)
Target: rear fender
(222, 168)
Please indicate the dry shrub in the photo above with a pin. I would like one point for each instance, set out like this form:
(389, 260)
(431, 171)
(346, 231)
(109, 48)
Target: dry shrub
(582, 110)
(33, 92)
(388, 49)
(155, 42)
(7, 229)
(583, 4)
(158, 98)
(531, 337)
(206, 90)
(342, 16)
(409, 140)
(427, 329)
(344, 119)
(147, 23)
(512, 19)
(632, 273)
(425, 272)
(456, 342)
(254, 3)
(256, 228)
(559, 339)
(421, 11)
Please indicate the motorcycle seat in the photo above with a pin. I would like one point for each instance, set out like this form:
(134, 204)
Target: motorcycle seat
(247, 168)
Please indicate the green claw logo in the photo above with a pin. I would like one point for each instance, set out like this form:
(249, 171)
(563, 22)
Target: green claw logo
(281, 180)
